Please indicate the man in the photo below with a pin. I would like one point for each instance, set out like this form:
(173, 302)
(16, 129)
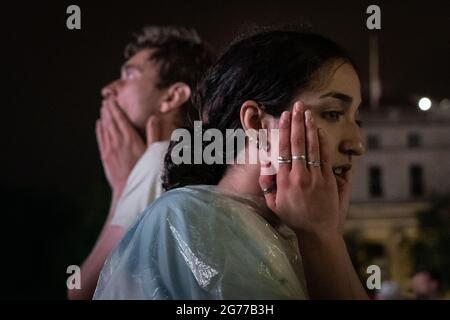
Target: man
(426, 285)
(138, 114)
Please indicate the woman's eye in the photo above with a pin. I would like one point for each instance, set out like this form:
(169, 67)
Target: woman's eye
(332, 115)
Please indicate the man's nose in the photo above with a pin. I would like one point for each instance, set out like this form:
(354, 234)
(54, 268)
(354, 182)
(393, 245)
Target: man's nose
(109, 90)
(352, 143)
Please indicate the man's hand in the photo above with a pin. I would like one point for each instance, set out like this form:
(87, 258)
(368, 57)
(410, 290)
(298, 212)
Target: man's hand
(120, 145)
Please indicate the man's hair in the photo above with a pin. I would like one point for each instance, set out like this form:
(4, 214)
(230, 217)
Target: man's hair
(180, 54)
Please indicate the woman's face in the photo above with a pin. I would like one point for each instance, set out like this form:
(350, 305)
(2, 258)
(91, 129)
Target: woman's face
(335, 109)
(334, 104)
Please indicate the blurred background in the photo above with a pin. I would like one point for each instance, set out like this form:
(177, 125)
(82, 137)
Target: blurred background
(53, 192)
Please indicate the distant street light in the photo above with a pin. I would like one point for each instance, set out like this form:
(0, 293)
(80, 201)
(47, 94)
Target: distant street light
(424, 104)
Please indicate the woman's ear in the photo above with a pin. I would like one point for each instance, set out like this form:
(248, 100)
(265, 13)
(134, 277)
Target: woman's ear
(251, 116)
(177, 94)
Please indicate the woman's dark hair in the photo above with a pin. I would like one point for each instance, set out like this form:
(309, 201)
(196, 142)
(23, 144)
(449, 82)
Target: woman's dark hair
(270, 67)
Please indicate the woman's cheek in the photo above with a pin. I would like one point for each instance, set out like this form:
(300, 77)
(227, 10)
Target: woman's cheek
(332, 133)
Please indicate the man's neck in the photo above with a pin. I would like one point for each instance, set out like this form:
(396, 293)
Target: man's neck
(166, 131)
(164, 134)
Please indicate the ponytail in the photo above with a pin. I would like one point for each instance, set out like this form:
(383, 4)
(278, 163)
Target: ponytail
(182, 174)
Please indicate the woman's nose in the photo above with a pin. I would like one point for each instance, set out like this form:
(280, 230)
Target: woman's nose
(352, 144)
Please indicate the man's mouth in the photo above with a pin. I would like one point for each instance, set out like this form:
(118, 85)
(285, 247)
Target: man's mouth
(105, 102)
(340, 173)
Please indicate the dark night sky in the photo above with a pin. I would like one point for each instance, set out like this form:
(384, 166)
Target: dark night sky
(52, 179)
(57, 73)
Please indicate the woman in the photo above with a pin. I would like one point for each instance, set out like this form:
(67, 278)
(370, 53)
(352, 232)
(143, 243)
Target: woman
(228, 232)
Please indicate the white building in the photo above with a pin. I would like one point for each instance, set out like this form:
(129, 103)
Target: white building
(406, 164)
(408, 155)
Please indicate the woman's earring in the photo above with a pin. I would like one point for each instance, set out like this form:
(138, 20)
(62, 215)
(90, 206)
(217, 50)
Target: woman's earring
(263, 143)
(260, 141)
(252, 140)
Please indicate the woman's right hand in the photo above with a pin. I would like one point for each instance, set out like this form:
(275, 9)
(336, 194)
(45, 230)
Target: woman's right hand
(306, 196)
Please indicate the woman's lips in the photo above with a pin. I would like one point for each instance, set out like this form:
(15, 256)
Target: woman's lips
(341, 174)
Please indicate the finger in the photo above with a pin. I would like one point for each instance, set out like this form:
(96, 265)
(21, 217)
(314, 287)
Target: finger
(107, 139)
(153, 130)
(284, 146)
(268, 187)
(325, 156)
(100, 138)
(312, 141)
(120, 119)
(111, 129)
(298, 139)
(345, 193)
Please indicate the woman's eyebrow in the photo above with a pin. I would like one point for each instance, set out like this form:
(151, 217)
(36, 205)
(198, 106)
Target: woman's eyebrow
(346, 99)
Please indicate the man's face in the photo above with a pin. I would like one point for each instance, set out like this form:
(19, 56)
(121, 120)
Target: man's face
(135, 92)
(423, 285)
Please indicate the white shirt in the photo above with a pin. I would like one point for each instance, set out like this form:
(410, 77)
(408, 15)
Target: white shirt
(143, 186)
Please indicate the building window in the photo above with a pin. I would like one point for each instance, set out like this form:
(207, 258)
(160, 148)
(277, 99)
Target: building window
(416, 180)
(414, 140)
(375, 182)
(373, 142)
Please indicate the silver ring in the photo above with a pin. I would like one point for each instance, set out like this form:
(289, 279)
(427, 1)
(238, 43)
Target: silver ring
(299, 157)
(268, 190)
(314, 163)
(283, 160)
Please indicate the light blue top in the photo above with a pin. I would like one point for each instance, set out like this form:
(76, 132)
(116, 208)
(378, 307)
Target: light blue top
(199, 243)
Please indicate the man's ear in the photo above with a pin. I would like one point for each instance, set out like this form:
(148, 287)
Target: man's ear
(177, 94)
(251, 116)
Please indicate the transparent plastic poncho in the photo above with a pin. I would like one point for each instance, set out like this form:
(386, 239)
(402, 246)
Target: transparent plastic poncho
(199, 243)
